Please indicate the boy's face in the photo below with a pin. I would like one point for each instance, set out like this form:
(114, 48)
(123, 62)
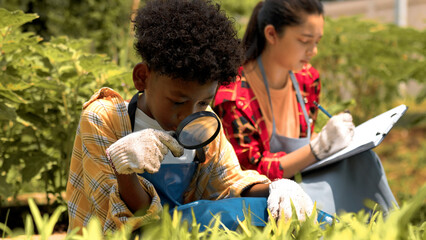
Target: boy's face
(169, 101)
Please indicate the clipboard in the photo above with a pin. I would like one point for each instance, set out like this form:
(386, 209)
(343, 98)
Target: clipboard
(366, 136)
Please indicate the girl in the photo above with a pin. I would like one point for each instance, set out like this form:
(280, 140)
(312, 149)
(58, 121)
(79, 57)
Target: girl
(271, 130)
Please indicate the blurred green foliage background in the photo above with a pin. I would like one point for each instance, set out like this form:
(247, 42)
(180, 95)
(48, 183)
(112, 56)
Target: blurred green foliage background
(53, 60)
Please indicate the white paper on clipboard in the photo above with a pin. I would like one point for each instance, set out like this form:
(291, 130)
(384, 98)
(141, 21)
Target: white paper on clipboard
(366, 136)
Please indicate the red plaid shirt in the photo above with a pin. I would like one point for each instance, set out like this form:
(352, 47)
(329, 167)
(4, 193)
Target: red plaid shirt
(245, 126)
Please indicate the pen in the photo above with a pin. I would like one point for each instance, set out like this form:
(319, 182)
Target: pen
(322, 109)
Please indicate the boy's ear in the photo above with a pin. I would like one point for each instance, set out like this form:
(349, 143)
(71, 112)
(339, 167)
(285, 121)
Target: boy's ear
(271, 34)
(140, 75)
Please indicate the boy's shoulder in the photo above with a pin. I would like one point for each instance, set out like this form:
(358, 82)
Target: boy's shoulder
(105, 95)
(106, 104)
(107, 108)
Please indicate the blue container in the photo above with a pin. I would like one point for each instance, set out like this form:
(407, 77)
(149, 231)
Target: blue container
(324, 218)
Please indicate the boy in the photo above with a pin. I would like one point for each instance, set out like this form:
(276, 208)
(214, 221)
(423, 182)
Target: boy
(189, 48)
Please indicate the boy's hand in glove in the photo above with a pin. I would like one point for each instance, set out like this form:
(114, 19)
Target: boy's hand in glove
(280, 194)
(142, 151)
(334, 136)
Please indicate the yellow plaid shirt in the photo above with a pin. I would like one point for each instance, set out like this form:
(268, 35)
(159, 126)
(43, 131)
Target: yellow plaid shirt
(92, 188)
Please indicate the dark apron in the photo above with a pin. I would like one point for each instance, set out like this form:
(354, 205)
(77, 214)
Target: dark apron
(342, 186)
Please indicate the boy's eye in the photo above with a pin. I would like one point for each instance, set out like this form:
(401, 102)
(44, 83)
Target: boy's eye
(304, 42)
(178, 103)
(204, 103)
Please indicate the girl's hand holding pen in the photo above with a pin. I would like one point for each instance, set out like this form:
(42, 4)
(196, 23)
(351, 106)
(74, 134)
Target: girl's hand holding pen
(334, 136)
(322, 109)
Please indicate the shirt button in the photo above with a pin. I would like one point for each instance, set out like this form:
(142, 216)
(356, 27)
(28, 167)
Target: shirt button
(305, 99)
(240, 104)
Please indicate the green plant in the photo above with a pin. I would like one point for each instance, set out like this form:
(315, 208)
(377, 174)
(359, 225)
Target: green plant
(401, 223)
(43, 86)
(44, 223)
(106, 22)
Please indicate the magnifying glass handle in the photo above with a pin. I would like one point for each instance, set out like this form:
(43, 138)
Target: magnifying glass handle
(200, 156)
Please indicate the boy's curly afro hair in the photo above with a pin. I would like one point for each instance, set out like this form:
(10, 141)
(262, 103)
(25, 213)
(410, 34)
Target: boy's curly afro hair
(188, 39)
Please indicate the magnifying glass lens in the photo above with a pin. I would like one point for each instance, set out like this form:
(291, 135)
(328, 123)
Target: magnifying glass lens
(198, 130)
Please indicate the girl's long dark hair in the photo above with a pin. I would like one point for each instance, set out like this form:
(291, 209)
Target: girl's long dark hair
(280, 14)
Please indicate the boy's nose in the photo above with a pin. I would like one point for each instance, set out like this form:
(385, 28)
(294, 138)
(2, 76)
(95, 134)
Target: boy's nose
(188, 111)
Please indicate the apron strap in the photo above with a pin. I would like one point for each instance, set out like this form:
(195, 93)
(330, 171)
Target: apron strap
(301, 102)
(265, 81)
(133, 105)
(298, 96)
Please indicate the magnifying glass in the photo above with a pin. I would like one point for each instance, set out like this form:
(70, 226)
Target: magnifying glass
(198, 129)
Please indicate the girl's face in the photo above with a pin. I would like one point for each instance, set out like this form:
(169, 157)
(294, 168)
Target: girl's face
(169, 101)
(298, 44)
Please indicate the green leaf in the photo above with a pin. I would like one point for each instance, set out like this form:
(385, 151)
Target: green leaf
(5, 188)
(14, 84)
(92, 63)
(94, 229)
(57, 53)
(12, 96)
(48, 228)
(7, 113)
(29, 226)
(5, 229)
(34, 163)
(48, 84)
(15, 18)
(18, 43)
(78, 44)
(35, 212)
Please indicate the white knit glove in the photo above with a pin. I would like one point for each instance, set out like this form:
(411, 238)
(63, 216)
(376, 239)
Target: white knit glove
(142, 151)
(280, 193)
(334, 136)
